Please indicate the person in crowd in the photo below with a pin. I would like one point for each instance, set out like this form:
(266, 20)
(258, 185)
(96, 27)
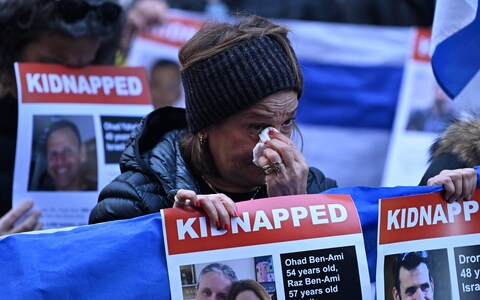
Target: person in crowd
(165, 83)
(66, 156)
(412, 277)
(238, 80)
(73, 33)
(248, 289)
(69, 32)
(205, 154)
(141, 14)
(29, 222)
(215, 282)
(458, 147)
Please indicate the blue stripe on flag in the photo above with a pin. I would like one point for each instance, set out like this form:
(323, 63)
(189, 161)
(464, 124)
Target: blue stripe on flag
(456, 60)
(113, 260)
(349, 96)
(126, 259)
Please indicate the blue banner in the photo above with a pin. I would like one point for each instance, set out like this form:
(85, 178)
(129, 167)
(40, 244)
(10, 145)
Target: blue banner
(126, 259)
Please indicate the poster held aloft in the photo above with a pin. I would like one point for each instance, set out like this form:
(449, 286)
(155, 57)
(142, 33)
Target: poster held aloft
(72, 128)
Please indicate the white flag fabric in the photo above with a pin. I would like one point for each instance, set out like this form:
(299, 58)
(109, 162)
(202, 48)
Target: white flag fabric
(454, 48)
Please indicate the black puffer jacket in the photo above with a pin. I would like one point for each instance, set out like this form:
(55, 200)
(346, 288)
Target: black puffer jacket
(153, 170)
(458, 147)
(8, 142)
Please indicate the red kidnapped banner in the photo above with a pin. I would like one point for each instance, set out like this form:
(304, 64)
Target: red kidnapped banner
(42, 83)
(260, 221)
(427, 216)
(175, 32)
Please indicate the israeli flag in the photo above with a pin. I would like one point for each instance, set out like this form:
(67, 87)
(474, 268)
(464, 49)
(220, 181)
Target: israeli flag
(454, 48)
(353, 75)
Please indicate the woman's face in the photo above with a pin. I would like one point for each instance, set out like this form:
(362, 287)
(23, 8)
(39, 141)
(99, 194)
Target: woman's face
(247, 295)
(232, 141)
(58, 49)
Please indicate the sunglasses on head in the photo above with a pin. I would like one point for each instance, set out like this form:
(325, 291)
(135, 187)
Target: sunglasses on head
(75, 10)
(421, 254)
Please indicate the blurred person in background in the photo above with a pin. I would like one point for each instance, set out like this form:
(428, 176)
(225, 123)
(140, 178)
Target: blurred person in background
(165, 83)
(69, 32)
(457, 147)
(141, 14)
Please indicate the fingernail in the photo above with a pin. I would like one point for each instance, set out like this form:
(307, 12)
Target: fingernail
(271, 132)
(235, 213)
(217, 223)
(227, 226)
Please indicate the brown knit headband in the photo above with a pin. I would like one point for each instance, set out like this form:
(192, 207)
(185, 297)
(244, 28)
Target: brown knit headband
(230, 81)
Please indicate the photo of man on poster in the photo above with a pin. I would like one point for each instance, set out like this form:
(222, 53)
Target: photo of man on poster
(60, 159)
(412, 277)
(434, 117)
(418, 274)
(215, 282)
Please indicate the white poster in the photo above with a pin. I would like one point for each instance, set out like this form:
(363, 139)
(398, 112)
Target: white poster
(428, 248)
(72, 127)
(295, 247)
(423, 113)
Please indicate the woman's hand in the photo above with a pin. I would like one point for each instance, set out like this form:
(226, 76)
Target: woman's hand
(31, 222)
(458, 184)
(218, 207)
(285, 168)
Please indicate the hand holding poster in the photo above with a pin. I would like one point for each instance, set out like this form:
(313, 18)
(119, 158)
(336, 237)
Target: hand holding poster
(429, 247)
(296, 247)
(72, 128)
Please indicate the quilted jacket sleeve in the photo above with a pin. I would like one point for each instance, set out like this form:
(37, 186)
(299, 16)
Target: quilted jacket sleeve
(317, 182)
(131, 194)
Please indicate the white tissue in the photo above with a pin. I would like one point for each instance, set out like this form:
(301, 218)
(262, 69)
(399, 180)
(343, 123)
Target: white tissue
(260, 146)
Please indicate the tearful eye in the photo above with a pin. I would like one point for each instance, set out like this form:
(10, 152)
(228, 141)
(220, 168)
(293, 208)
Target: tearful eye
(287, 125)
(257, 128)
(288, 122)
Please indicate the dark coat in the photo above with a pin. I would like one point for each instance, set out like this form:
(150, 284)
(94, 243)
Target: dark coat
(458, 147)
(153, 170)
(8, 145)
